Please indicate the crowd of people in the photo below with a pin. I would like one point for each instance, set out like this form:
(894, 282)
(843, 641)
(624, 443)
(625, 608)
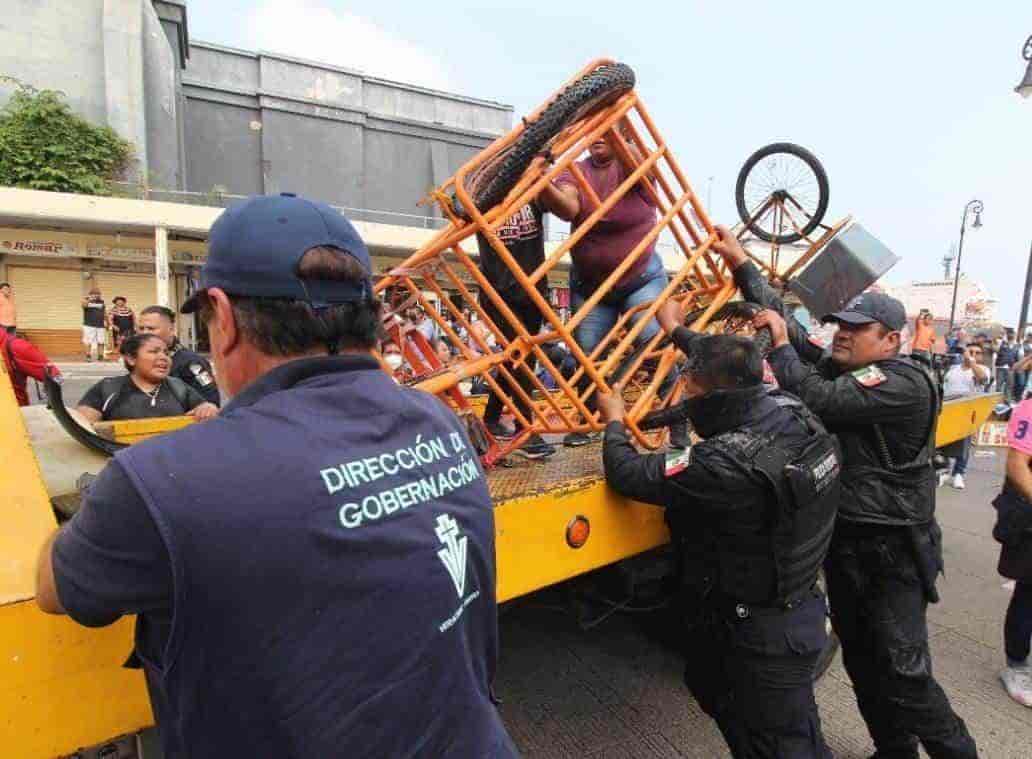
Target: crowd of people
(368, 496)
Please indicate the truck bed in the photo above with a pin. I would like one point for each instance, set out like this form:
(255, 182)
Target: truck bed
(569, 469)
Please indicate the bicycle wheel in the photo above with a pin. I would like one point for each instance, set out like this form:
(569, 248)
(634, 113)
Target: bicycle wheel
(792, 176)
(490, 183)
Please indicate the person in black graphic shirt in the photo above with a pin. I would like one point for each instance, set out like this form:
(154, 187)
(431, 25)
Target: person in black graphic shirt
(523, 236)
(94, 323)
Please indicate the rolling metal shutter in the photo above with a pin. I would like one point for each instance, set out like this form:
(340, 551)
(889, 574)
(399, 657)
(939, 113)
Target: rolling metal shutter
(47, 298)
(138, 289)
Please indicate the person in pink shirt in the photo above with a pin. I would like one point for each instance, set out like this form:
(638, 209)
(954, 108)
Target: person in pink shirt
(1014, 531)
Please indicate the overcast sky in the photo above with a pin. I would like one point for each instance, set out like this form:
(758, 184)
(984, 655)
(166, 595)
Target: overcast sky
(909, 105)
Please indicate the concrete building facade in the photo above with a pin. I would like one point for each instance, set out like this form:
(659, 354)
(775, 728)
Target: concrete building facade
(208, 121)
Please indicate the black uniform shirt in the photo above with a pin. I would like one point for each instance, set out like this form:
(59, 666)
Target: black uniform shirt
(717, 504)
(130, 402)
(195, 371)
(706, 478)
(894, 394)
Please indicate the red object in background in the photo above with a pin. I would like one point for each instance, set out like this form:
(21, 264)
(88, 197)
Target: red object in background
(24, 360)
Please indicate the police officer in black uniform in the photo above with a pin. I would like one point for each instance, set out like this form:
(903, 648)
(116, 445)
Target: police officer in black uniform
(187, 365)
(887, 549)
(752, 509)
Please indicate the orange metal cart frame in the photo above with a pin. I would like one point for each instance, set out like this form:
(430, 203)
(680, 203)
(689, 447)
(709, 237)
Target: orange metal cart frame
(701, 281)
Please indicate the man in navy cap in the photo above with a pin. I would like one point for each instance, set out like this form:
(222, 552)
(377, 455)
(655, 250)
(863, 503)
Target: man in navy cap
(314, 574)
(887, 549)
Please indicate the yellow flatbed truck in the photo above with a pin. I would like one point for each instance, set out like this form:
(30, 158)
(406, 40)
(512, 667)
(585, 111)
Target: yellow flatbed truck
(63, 687)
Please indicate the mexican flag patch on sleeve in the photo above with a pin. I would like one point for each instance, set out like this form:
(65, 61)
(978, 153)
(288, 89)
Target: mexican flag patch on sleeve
(869, 376)
(677, 461)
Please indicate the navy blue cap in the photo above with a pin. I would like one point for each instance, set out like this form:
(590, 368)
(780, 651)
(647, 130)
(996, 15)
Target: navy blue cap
(254, 249)
(868, 308)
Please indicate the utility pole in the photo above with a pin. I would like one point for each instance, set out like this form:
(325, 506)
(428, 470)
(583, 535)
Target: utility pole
(1023, 318)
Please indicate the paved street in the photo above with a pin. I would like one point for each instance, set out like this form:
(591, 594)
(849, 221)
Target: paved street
(613, 692)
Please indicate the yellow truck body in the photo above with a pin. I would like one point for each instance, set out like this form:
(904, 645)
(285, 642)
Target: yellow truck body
(63, 687)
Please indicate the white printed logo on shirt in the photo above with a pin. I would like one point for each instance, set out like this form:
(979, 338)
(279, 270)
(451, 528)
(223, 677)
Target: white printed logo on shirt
(453, 555)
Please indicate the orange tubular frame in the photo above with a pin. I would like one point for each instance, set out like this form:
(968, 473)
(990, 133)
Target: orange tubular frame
(700, 281)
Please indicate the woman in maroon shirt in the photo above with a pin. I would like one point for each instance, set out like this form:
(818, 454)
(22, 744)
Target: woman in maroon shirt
(609, 242)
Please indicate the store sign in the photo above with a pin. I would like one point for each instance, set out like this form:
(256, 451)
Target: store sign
(142, 255)
(119, 254)
(39, 248)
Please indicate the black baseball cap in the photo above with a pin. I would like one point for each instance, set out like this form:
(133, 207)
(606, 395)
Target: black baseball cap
(868, 308)
(254, 249)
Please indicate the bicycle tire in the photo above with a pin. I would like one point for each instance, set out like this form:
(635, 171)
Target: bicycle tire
(762, 339)
(822, 184)
(490, 183)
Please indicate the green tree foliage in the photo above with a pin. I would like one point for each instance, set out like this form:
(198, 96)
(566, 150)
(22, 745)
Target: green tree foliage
(45, 146)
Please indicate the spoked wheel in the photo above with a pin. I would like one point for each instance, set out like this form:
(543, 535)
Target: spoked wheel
(489, 183)
(782, 193)
(735, 318)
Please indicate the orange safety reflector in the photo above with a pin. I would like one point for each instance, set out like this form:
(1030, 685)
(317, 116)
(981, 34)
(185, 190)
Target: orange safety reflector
(578, 531)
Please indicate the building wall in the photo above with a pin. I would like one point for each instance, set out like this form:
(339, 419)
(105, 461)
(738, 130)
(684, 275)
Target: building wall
(260, 122)
(202, 117)
(41, 40)
(116, 66)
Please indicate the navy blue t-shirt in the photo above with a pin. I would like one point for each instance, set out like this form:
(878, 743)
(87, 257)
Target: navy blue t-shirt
(274, 619)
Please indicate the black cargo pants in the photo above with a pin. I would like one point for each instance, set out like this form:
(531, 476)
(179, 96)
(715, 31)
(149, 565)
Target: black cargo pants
(530, 316)
(878, 609)
(751, 670)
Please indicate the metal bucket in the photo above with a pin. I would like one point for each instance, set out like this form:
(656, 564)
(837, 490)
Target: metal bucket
(848, 264)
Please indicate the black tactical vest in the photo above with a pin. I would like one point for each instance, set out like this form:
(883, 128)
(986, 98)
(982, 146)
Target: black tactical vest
(781, 565)
(878, 487)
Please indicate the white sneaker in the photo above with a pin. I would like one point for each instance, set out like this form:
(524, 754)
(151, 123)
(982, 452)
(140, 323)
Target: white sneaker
(958, 481)
(944, 477)
(1018, 682)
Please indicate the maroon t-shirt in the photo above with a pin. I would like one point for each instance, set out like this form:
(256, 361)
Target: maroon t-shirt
(617, 233)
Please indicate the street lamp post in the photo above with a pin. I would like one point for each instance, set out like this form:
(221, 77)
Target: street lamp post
(1025, 87)
(973, 206)
(1025, 90)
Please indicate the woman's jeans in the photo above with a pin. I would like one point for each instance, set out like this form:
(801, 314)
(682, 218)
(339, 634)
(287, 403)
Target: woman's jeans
(603, 317)
(961, 461)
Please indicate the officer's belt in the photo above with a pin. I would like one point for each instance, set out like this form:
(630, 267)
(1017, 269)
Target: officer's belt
(728, 607)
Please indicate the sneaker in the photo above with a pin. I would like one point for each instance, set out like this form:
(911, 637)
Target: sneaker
(944, 477)
(576, 439)
(1018, 682)
(535, 448)
(958, 481)
(499, 430)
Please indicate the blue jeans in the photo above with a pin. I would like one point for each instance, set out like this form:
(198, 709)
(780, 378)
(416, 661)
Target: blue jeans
(603, 317)
(960, 463)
